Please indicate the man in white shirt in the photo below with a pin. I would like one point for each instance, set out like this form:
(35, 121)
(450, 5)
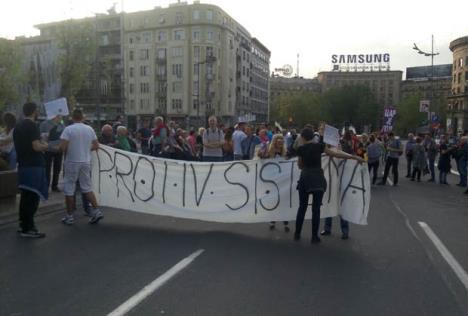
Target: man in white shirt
(237, 137)
(77, 142)
(213, 140)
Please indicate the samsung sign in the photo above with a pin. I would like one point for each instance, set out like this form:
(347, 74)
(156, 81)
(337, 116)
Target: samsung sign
(361, 62)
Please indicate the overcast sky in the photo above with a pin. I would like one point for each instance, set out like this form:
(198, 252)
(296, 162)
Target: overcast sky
(314, 29)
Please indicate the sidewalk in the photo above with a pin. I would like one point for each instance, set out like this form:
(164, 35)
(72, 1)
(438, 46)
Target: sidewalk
(9, 207)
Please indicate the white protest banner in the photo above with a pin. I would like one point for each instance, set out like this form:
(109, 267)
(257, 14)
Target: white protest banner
(331, 136)
(238, 191)
(56, 107)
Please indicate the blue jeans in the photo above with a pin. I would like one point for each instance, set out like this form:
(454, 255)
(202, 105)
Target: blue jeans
(462, 171)
(442, 177)
(343, 223)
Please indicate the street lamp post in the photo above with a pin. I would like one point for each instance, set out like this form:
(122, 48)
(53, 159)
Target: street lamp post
(431, 54)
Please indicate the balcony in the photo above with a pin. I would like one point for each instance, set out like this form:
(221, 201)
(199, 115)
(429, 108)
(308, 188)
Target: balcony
(161, 60)
(161, 77)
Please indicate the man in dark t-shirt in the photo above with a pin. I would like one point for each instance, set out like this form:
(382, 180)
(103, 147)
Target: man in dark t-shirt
(31, 170)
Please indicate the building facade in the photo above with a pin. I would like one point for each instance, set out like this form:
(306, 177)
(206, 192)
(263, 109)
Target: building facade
(284, 86)
(101, 96)
(259, 96)
(187, 62)
(385, 85)
(457, 108)
(436, 87)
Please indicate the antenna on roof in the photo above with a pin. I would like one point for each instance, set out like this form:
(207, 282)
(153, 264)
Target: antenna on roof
(297, 69)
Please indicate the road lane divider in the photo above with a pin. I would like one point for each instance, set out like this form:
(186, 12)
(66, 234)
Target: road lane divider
(446, 254)
(133, 301)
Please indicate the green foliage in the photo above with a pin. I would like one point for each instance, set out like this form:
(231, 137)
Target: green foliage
(77, 41)
(354, 104)
(408, 115)
(11, 75)
(301, 107)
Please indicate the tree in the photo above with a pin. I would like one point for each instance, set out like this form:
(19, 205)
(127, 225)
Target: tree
(11, 74)
(301, 107)
(77, 41)
(352, 103)
(408, 116)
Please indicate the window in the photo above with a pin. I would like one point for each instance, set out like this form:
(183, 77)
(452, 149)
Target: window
(196, 103)
(179, 19)
(131, 88)
(196, 53)
(132, 104)
(162, 70)
(144, 87)
(209, 36)
(144, 54)
(177, 87)
(130, 40)
(176, 104)
(196, 88)
(131, 55)
(104, 39)
(461, 62)
(196, 14)
(177, 51)
(179, 35)
(196, 35)
(196, 69)
(146, 37)
(131, 72)
(209, 15)
(162, 53)
(144, 71)
(209, 51)
(177, 70)
(162, 36)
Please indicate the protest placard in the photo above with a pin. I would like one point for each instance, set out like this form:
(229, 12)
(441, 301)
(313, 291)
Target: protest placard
(331, 136)
(56, 107)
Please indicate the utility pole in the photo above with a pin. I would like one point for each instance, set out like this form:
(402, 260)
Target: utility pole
(431, 54)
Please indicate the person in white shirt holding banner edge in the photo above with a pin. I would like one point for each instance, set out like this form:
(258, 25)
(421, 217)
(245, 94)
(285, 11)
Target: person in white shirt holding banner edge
(77, 142)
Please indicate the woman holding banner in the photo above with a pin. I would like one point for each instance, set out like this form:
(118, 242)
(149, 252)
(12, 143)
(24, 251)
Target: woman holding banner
(277, 149)
(312, 181)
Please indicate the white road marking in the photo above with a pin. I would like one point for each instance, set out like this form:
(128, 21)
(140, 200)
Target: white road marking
(153, 286)
(453, 263)
(451, 170)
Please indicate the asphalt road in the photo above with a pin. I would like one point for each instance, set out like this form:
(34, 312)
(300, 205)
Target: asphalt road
(390, 267)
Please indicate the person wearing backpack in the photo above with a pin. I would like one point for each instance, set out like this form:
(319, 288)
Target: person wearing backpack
(395, 150)
(213, 141)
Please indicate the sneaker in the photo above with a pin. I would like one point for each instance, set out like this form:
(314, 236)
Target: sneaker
(272, 226)
(68, 220)
(344, 236)
(325, 233)
(32, 234)
(87, 213)
(297, 237)
(97, 216)
(286, 228)
(55, 189)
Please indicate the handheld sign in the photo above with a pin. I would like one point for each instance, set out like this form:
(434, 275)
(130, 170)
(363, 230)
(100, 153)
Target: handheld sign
(56, 107)
(331, 136)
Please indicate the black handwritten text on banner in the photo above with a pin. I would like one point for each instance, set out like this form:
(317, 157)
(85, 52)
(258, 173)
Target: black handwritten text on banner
(239, 191)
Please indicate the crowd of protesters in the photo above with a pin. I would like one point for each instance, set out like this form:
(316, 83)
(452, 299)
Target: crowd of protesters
(40, 150)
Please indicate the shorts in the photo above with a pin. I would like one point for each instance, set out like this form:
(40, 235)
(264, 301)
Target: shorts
(77, 171)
